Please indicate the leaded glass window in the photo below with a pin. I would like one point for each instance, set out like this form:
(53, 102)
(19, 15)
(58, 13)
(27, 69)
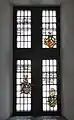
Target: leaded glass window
(49, 28)
(23, 28)
(49, 85)
(23, 101)
(36, 60)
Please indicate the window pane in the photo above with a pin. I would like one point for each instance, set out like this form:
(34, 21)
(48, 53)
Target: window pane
(23, 88)
(49, 29)
(49, 85)
(23, 28)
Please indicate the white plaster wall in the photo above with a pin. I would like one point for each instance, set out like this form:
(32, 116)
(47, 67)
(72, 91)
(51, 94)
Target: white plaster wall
(67, 56)
(6, 59)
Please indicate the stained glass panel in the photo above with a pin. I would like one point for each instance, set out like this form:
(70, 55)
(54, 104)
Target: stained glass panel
(49, 85)
(23, 99)
(49, 39)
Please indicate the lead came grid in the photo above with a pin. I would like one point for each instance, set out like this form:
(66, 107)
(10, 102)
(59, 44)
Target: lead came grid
(23, 28)
(48, 25)
(49, 81)
(23, 101)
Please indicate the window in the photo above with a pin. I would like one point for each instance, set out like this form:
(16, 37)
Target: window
(49, 83)
(23, 101)
(23, 28)
(36, 60)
